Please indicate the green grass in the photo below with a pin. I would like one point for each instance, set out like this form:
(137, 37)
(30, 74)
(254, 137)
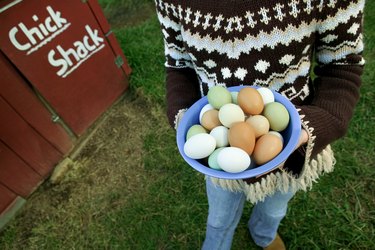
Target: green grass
(130, 189)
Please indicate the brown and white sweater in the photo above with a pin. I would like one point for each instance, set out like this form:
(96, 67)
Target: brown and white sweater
(275, 44)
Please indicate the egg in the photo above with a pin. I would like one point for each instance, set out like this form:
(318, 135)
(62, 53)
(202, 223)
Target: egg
(212, 159)
(267, 95)
(220, 133)
(217, 96)
(195, 129)
(260, 124)
(277, 134)
(203, 110)
(242, 135)
(199, 146)
(277, 115)
(250, 101)
(233, 160)
(266, 148)
(231, 113)
(210, 119)
(234, 96)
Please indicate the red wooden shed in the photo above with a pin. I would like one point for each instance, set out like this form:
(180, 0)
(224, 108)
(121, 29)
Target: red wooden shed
(61, 67)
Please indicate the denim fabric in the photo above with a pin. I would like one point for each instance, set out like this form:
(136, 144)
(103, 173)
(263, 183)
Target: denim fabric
(225, 210)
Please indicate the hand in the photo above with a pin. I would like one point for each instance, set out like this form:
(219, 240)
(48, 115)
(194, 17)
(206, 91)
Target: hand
(303, 138)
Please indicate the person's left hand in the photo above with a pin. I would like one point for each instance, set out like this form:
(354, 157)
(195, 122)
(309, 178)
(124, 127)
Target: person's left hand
(303, 138)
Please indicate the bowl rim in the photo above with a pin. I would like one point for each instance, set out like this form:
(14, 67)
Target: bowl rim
(295, 122)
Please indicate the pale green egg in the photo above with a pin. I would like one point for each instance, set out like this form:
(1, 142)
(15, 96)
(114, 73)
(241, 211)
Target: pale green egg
(218, 96)
(212, 159)
(277, 115)
(195, 129)
(234, 95)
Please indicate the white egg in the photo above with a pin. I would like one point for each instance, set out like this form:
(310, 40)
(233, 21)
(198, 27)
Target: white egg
(221, 136)
(204, 109)
(200, 146)
(267, 95)
(233, 160)
(231, 113)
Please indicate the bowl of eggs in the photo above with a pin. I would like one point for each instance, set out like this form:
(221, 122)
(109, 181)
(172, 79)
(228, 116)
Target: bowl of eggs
(238, 132)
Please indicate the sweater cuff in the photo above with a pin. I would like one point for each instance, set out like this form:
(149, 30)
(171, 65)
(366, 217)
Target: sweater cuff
(178, 117)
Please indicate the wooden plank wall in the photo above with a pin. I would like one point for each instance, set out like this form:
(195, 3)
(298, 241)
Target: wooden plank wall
(30, 143)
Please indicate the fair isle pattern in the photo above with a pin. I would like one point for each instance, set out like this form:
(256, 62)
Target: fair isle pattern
(278, 26)
(327, 54)
(233, 48)
(277, 80)
(265, 15)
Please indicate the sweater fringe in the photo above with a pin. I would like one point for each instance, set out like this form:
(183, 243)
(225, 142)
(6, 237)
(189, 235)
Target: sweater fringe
(282, 181)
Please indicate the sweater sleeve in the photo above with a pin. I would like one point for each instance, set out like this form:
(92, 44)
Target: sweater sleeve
(338, 72)
(182, 85)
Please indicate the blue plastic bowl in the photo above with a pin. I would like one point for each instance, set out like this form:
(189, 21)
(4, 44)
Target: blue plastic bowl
(290, 134)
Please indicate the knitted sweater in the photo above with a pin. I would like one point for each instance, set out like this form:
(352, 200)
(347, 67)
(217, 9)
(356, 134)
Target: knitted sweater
(275, 44)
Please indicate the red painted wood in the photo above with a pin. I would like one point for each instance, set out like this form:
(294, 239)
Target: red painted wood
(25, 141)
(7, 4)
(118, 52)
(18, 94)
(15, 174)
(99, 15)
(6, 198)
(94, 81)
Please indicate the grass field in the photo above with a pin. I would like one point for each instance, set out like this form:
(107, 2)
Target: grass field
(129, 189)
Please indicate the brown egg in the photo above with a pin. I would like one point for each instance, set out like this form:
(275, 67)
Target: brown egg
(242, 135)
(210, 119)
(250, 101)
(267, 147)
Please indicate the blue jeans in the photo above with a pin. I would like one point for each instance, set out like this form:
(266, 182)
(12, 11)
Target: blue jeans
(225, 210)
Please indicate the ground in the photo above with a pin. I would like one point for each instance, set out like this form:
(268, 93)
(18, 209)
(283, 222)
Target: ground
(129, 189)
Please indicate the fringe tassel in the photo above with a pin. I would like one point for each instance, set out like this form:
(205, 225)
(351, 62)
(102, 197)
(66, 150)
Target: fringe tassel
(178, 117)
(282, 181)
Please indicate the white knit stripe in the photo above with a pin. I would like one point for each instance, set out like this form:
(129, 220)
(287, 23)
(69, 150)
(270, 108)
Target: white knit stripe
(176, 52)
(233, 49)
(341, 16)
(168, 23)
(327, 54)
(277, 80)
(209, 78)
